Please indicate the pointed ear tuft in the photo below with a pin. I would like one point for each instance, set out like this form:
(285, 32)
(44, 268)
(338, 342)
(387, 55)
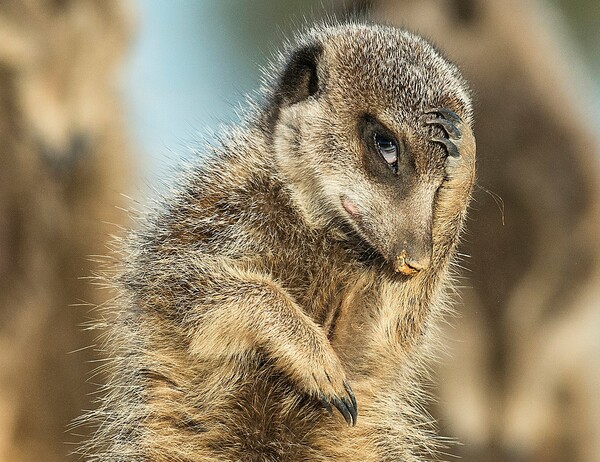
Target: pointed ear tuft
(300, 79)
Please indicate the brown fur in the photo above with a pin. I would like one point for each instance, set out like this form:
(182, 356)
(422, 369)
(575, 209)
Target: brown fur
(250, 293)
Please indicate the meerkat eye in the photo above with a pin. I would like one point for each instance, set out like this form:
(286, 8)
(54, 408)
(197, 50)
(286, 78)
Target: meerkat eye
(388, 149)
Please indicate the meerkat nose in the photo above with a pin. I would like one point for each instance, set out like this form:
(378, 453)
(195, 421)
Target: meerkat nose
(409, 266)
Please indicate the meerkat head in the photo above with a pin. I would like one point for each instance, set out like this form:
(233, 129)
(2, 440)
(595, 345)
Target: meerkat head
(347, 123)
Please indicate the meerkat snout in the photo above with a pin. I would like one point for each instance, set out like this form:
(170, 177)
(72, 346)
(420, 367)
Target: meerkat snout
(408, 250)
(406, 264)
(412, 255)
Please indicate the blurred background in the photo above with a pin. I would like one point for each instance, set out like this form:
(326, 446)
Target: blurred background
(100, 99)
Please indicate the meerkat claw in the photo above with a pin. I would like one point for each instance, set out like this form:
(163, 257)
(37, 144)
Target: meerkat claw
(452, 130)
(450, 146)
(343, 405)
(353, 400)
(448, 121)
(447, 113)
(325, 403)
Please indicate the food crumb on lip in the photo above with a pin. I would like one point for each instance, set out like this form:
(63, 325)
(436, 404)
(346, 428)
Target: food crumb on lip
(400, 265)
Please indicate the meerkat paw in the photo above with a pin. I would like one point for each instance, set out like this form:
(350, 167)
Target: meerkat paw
(327, 382)
(449, 121)
(459, 144)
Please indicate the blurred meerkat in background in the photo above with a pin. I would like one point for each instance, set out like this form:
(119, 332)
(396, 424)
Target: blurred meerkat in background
(63, 164)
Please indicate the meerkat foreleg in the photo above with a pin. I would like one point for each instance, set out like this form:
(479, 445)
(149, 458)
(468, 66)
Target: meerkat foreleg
(267, 317)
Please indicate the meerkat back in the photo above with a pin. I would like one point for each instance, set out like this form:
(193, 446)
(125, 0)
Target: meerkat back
(280, 305)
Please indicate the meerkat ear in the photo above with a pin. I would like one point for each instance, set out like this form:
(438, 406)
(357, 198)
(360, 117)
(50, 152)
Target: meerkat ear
(298, 81)
(300, 78)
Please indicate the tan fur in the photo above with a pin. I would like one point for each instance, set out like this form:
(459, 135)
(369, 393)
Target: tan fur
(251, 295)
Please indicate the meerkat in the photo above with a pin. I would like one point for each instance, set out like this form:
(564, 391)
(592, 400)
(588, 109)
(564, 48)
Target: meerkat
(298, 268)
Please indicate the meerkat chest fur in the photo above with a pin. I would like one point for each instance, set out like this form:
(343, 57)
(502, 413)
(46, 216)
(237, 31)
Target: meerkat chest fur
(279, 304)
